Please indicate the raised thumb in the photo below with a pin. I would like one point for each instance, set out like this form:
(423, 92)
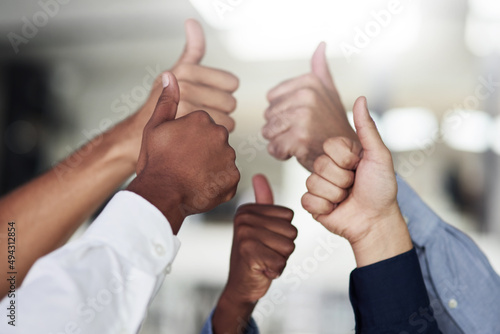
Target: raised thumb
(320, 67)
(166, 108)
(262, 189)
(194, 51)
(365, 127)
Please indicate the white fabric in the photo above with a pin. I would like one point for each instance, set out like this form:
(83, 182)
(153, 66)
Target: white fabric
(102, 282)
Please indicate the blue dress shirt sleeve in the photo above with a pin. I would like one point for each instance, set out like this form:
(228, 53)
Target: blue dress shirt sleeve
(463, 288)
(390, 297)
(208, 329)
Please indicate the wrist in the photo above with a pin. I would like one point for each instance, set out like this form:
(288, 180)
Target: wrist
(387, 237)
(231, 314)
(130, 143)
(169, 203)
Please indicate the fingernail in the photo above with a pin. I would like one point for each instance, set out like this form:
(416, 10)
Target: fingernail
(165, 79)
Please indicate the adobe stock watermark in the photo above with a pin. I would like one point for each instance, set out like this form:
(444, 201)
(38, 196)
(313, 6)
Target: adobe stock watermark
(452, 119)
(31, 26)
(365, 35)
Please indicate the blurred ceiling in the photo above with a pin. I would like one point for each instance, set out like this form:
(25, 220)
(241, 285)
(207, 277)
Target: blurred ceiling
(106, 47)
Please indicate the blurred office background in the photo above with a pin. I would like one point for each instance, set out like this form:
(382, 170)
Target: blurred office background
(430, 71)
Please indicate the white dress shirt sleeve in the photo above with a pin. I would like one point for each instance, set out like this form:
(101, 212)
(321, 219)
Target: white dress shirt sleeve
(102, 282)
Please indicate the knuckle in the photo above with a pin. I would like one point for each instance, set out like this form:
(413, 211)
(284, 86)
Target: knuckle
(303, 137)
(222, 133)
(232, 103)
(321, 164)
(330, 144)
(306, 203)
(200, 116)
(338, 194)
(231, 155)
(266, 131)
(311, 183)
(242, 231)
(230, 124)
(347, 180)
(233, 82)
(289, 213)
(280, 263)
(290, 247)
(271, 148)
(346, 160)
(243, 217)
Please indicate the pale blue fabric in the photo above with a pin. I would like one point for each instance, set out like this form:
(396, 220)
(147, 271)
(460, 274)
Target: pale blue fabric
(463, 288)
(207, 328)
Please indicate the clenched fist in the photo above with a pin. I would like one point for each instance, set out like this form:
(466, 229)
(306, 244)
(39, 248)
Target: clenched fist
(263, 240)
(352, 192)
(304, 112)
(185, 166)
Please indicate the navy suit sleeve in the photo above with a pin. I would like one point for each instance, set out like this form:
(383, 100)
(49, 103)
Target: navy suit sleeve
(390, 297)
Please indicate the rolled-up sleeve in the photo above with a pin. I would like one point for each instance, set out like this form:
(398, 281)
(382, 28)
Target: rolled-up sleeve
(102, 282)
(463, 288)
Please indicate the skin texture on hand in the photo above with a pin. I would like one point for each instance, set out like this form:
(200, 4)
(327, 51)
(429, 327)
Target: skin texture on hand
(262, 243)
(186, 165)
(303, 112)
(353, 191)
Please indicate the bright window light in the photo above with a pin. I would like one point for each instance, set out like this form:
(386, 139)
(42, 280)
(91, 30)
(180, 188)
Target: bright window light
(467, 130)
(482, 31)
(409, 129)
(486, 9)
(284, 29)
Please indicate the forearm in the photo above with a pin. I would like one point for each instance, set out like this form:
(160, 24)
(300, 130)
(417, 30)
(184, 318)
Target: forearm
(48, 210)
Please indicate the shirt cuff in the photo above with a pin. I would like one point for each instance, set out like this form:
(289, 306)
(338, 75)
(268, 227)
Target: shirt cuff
(208, 328)
(390, 295)
(422, 221)
(137, 231)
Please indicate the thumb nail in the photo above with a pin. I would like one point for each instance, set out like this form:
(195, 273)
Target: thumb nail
(165, 79)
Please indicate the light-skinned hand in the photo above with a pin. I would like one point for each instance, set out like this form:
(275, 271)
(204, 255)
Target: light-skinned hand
(352, 192)
(303, 112)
